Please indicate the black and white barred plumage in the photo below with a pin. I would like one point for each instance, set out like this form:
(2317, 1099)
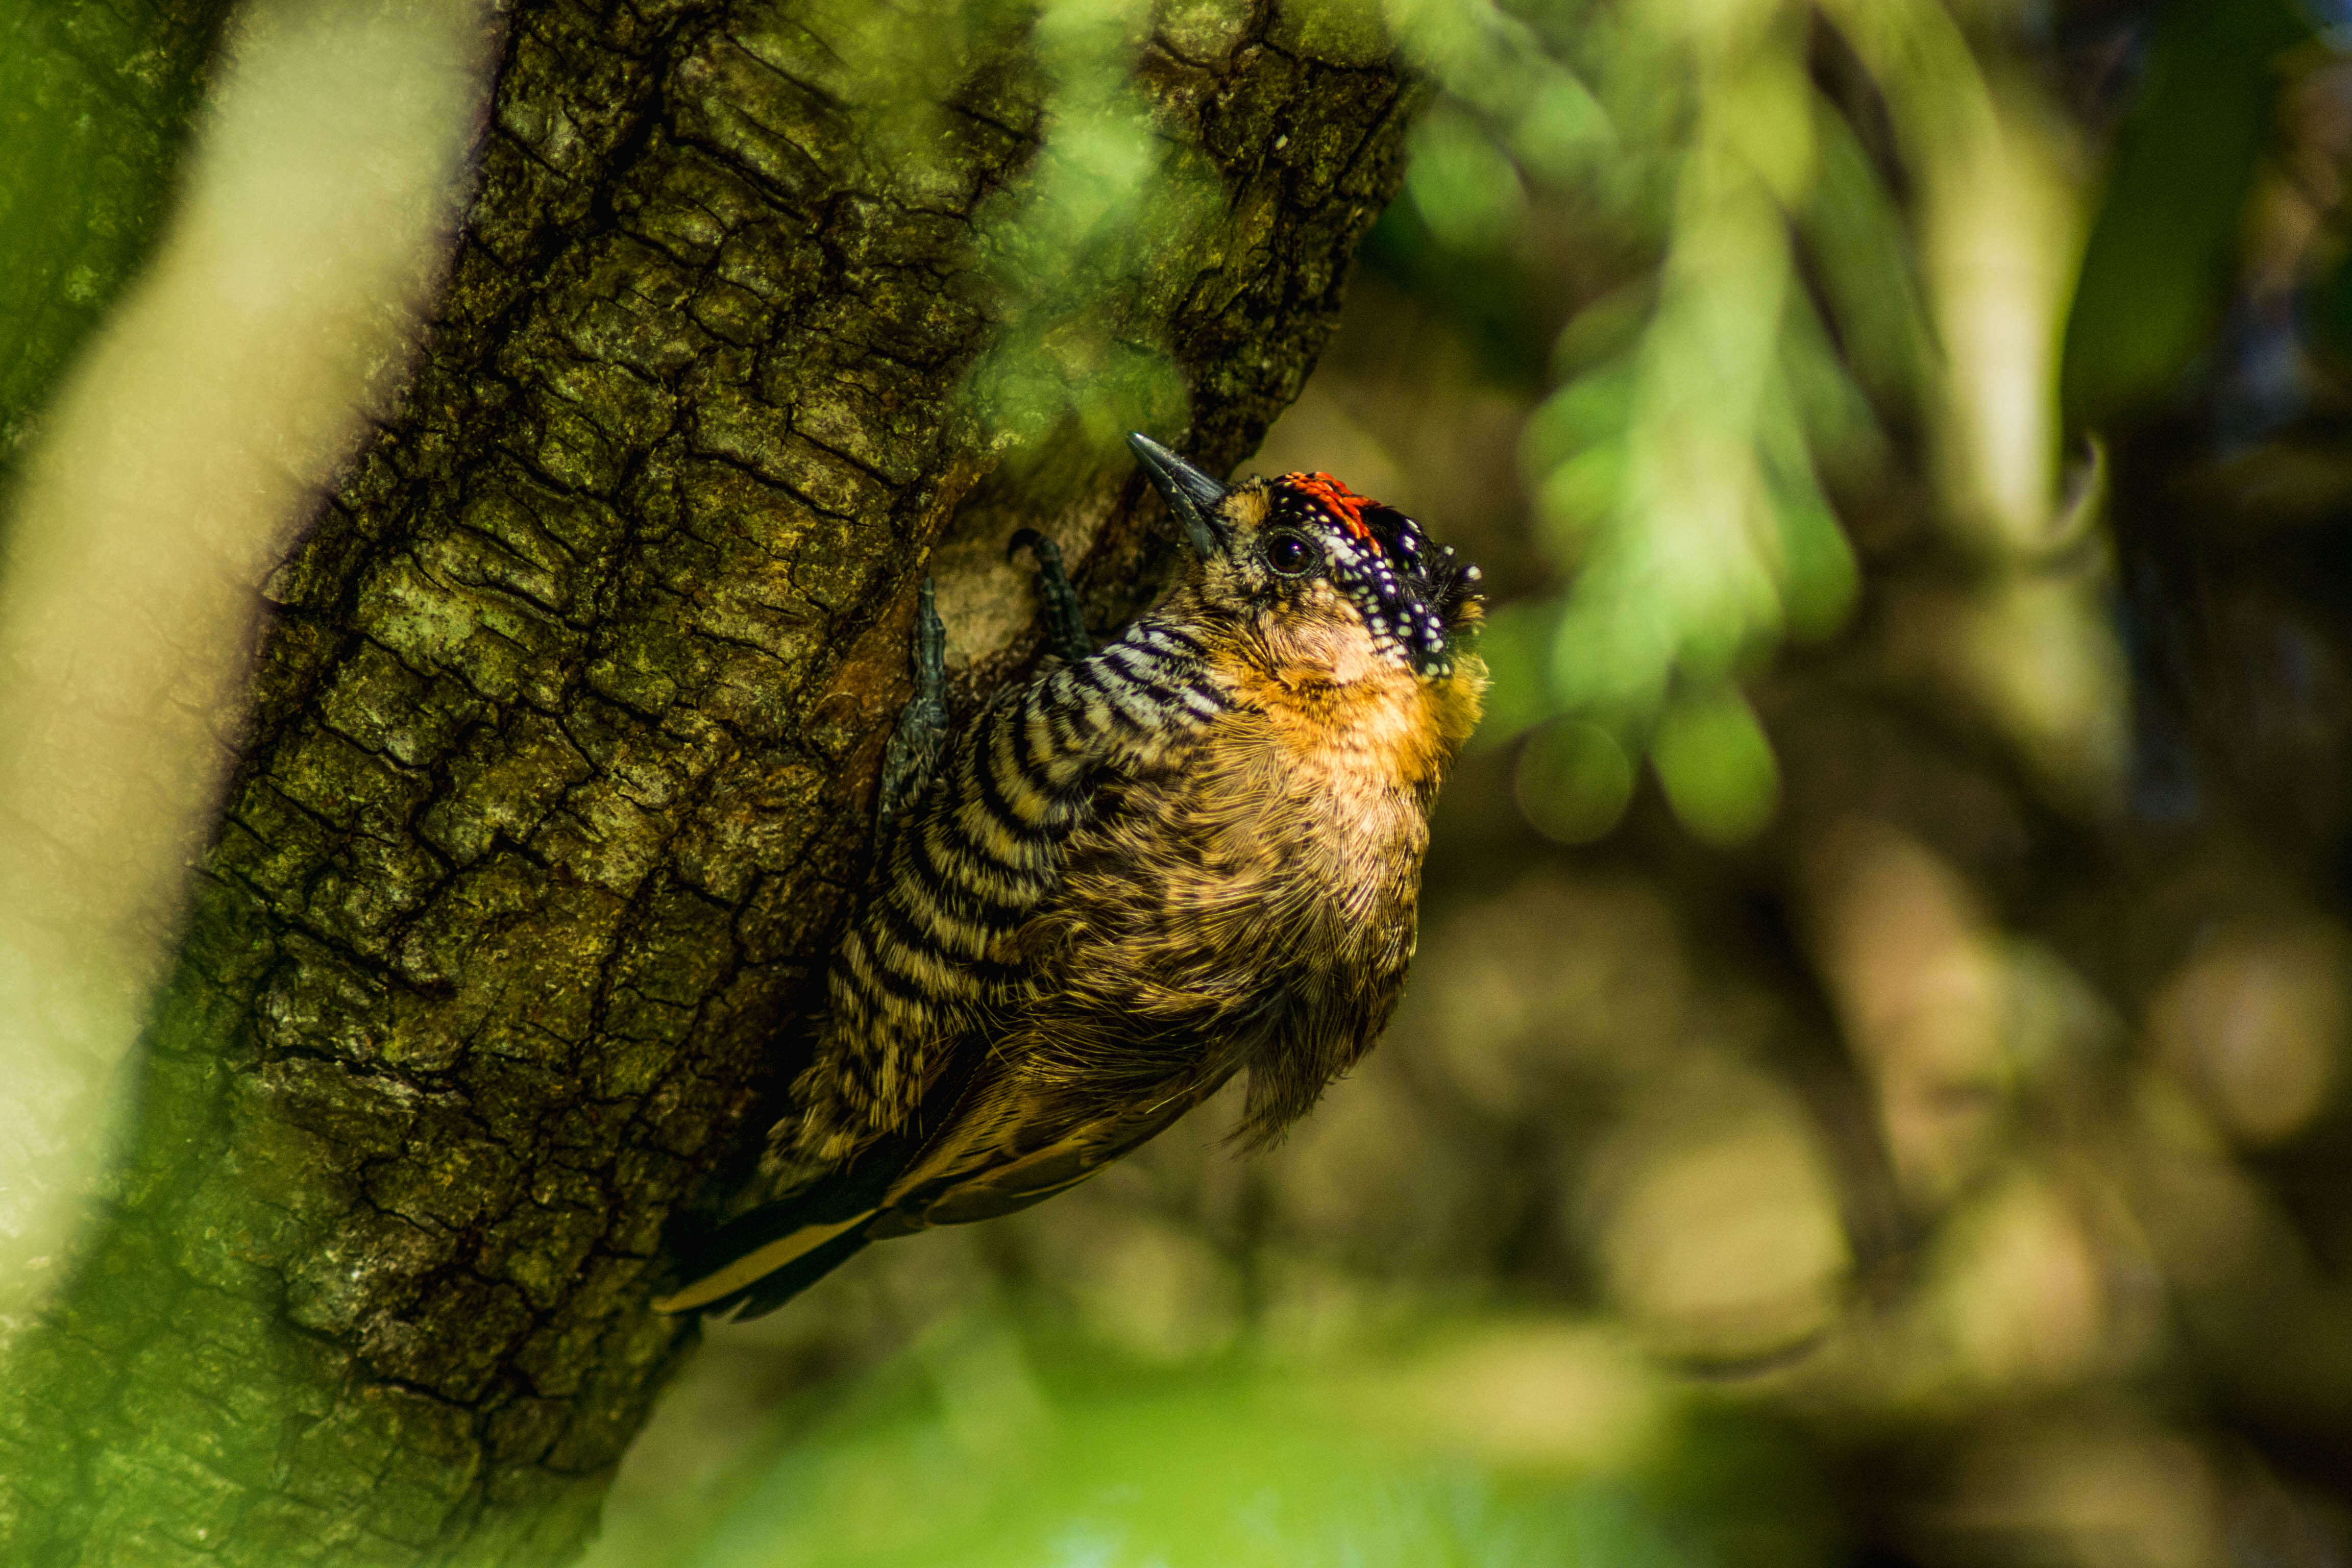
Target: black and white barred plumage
(1193, 853)
(936, 952)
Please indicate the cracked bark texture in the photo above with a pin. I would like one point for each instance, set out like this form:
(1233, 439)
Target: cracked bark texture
(560, 767)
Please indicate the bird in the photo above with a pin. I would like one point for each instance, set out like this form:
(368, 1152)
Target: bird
(1193, 853)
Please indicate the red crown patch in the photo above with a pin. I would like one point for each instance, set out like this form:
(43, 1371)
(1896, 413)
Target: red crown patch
(1345, 507)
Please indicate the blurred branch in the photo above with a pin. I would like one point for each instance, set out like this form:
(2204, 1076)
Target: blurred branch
(189, 445)
(95, 102)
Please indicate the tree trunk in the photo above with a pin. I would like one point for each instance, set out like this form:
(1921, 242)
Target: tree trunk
(560, 767)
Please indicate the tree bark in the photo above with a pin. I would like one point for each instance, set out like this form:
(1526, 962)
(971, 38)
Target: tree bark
(560, 765)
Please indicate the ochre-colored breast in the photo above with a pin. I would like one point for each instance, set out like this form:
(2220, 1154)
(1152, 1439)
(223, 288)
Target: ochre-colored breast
(1252, 904)
(1334, 767)
(1354, 720)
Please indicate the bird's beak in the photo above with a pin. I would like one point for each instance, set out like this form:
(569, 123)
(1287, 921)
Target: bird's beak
(1191, 494)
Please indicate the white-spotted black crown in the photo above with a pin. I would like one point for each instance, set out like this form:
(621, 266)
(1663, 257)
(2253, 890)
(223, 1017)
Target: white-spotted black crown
(1412, 592)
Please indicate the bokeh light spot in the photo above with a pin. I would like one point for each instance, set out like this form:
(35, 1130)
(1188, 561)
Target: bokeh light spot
(1573, 781)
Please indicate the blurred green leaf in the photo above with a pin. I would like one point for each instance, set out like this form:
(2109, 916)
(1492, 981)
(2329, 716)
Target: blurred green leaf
(1857, 241)
(1466, 189)
(1562, 130)
(1592, 408)
(2163, 254)
(1717, 766)
(1675, 471)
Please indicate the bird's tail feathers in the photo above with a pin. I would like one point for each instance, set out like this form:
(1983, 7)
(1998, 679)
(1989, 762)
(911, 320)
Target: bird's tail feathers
(726, 1266)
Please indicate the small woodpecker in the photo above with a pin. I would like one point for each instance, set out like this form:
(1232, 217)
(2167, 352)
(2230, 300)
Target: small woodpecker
(1193, 853)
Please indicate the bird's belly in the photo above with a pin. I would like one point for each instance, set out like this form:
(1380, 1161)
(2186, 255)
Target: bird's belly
(1238, 908)
(1306, 864)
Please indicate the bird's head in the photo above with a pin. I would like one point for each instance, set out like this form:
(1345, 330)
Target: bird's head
(1306, 547)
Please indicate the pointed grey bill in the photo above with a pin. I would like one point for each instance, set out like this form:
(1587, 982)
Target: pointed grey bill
(1191, 494)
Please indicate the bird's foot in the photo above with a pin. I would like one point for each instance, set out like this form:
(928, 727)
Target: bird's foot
(914, 748)
(1065, 628)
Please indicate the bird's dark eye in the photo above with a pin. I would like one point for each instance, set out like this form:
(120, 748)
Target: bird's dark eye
(1291, 554)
